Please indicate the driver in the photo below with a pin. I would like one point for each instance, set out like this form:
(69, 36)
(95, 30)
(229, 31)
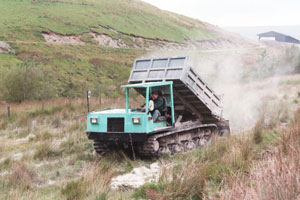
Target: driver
(158, 105)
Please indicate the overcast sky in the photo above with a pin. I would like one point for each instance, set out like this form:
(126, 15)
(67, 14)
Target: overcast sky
(236, 12)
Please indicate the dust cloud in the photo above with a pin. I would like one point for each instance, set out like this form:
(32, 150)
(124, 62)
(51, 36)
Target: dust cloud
(248, 80)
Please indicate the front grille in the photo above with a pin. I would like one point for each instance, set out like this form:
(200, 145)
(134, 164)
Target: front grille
(115, 124)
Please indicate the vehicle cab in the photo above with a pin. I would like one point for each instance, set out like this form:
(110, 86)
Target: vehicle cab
(108, 123)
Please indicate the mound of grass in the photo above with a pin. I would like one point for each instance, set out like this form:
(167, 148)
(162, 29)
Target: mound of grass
(45, 151)
(73, 190)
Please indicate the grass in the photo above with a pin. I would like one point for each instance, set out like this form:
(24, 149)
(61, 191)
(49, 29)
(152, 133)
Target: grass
(45, 151)
(57, 161)
(6, 164)
(69, 68)
(54, 155)
(49, 111)
(258, 165)
(85, 66)
(73, 190)
(275, 175)
(76, 17)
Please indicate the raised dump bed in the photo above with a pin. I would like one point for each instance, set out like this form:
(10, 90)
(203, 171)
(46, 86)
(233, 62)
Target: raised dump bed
(192, 96)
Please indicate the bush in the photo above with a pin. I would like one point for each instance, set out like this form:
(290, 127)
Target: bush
(257, 133)
(21, 83)
(26, 81)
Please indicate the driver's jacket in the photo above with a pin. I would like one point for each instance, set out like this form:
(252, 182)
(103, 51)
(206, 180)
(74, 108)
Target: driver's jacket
(158, 104)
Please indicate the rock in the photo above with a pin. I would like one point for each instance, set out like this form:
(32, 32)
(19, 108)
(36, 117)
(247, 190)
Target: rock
(54, 38)
(5, 48)
(137, 177)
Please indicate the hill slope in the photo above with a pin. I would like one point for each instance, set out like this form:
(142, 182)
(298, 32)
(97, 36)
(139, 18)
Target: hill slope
(64, 43)
(19, 19)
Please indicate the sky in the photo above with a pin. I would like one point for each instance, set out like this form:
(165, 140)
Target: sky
(226, 13)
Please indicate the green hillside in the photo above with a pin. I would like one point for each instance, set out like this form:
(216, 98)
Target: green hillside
(25, 19)
(68, 67)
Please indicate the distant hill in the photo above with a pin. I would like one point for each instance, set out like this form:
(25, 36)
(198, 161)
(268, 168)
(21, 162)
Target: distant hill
(251, 32)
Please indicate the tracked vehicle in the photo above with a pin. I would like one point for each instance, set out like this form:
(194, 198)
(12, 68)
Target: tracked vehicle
(192, 114)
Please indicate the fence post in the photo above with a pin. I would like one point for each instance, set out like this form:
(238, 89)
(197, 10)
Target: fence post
(43, 106)
(8, 111)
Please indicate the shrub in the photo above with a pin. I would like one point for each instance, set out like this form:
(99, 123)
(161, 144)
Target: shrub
(22, 82)
(257, 133)
(71, 90)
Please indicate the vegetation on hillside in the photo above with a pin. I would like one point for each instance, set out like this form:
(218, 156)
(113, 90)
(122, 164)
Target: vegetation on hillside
(65, 68)
(24, 20)
(71, 68)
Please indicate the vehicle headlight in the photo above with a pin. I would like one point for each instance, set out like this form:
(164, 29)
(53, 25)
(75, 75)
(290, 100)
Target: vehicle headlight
(136, 120)
(94, 120)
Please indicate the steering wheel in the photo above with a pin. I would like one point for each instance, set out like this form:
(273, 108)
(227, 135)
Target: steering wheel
(151, 105)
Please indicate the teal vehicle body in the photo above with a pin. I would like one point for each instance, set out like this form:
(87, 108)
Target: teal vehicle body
(106, 124)
(145, 125)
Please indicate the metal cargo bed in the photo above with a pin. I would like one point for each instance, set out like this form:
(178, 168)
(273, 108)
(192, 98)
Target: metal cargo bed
(191, 93)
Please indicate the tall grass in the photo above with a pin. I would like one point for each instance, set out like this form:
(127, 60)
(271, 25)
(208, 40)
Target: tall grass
(95, 180)
(276, 175)
(22, 176)
(46, 151)
(198, 172)
(263, 164)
